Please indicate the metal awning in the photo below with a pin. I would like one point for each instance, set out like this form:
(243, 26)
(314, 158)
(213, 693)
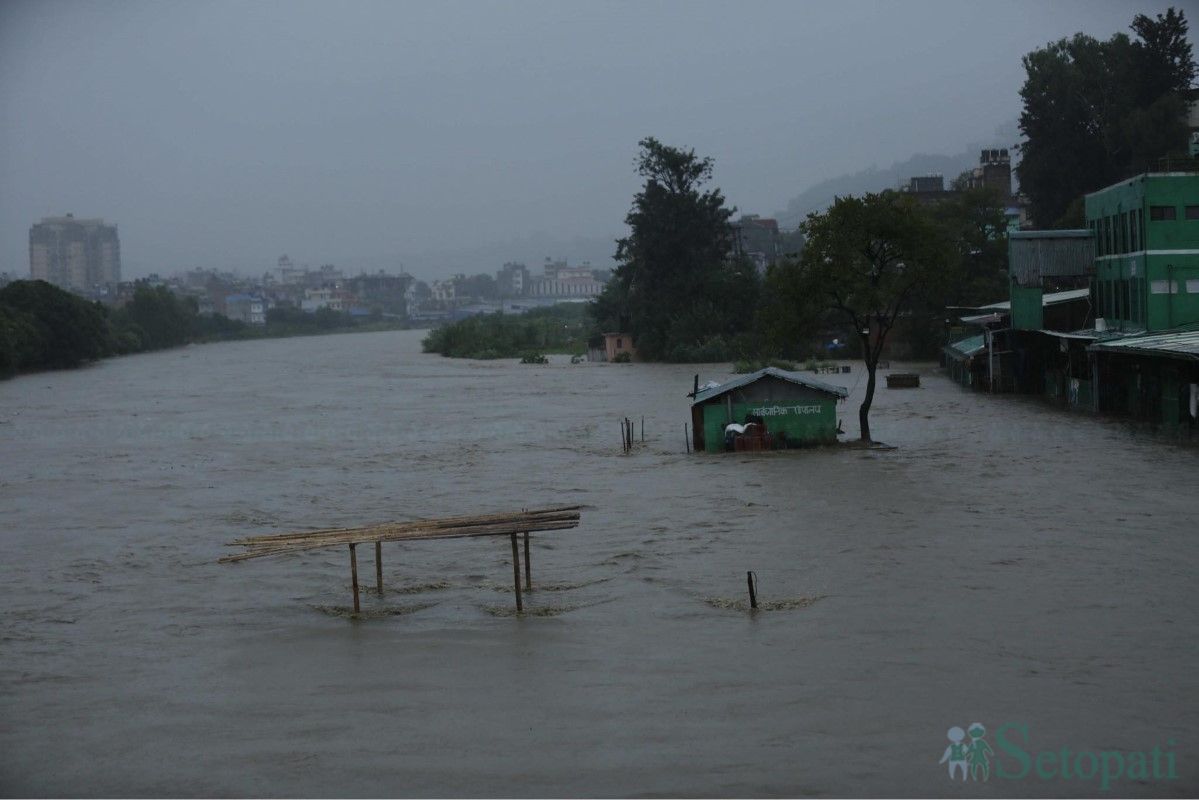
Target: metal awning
(966, 348)
(1184, 344)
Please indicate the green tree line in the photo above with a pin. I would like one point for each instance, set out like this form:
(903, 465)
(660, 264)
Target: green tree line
(1097, 112)
(45, 327)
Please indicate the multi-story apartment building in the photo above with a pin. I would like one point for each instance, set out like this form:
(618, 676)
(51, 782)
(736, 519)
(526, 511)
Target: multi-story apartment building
(79, 254)
(758, 240)
(512, 279)
(247, 308)
(1146, 233)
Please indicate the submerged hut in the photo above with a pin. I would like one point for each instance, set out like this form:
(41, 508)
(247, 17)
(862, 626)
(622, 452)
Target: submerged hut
(765, 410)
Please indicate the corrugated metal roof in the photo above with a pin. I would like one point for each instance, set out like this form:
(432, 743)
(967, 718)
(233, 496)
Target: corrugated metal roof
(1068, 233)
(1033, 254)
(745, 380)
(1051, 299)
(1180, 345)
(982, 319)
(967, 347)
(1088, 335)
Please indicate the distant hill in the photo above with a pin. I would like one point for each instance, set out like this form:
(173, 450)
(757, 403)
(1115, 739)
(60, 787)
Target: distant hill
(873, 179)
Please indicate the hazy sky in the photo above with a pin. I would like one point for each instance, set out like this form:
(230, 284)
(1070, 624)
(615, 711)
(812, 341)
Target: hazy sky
(223, 134)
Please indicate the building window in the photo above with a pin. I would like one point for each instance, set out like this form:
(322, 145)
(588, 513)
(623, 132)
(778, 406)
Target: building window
(1192, 212)
(1163, 287)
(1125, 297)
(1160, 213)
(1192, 285)
(1133, 239)
(1135, 301)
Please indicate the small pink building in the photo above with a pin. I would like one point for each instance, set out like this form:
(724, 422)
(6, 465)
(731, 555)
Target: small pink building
(617, 343)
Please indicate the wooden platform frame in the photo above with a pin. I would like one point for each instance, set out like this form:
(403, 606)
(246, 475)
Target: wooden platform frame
(511, 525)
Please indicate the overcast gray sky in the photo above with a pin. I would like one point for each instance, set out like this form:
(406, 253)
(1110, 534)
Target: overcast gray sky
(223, 134)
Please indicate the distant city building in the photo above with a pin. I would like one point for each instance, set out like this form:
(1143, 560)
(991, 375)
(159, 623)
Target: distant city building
(443, 291)
(568, 287)
(386, 293)
(928, 190)
(247, 308)
(329, 276)
(551, 268)
(289, 273)
(994, 171)
(563, 281)
(79, 254)
(758, 240)
(927, 183)
(335, 299)
(512, 279)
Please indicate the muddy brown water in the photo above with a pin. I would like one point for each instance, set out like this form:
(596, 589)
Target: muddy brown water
(1007, 564)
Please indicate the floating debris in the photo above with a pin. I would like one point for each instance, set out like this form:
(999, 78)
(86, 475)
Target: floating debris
(775, 605)
(420, 587)
(545, 611)
(542, 587)
(347, 612)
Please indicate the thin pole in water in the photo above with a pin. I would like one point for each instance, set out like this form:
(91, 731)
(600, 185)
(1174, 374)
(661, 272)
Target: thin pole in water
(354, 576)
(379, 566)
(751, 577)
(516, 573)
(528, 564)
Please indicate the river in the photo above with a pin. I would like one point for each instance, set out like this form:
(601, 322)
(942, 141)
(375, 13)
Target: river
(1007, 563)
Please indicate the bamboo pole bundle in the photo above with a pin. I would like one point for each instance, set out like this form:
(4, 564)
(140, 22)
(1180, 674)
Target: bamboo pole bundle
(561, 518)
(443, 522)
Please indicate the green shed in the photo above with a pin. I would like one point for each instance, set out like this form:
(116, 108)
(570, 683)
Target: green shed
(789, 409)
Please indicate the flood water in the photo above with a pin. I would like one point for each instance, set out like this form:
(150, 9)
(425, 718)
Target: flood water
(1008, 563)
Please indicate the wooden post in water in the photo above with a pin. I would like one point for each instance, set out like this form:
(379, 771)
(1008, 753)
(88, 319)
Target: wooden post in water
(354, 575)
(752, 578)
(516, 573)
(379, 566)
(528, 564)
(687, 437)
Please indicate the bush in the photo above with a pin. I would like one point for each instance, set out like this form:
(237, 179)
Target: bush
(534, 358)
(742, 367)
(622, 358)
(541, 330)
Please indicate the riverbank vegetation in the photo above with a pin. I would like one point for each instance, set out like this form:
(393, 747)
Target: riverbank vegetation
(45, 327)
(554, 329)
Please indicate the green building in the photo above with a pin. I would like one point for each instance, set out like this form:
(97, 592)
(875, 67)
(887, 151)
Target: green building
(794, 410)
(1146, 354)
(1146, 234)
